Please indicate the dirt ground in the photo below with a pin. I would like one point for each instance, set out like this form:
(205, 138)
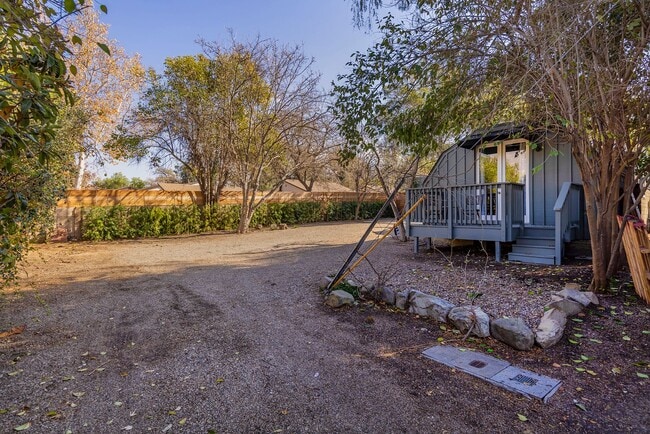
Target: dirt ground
(228, 333)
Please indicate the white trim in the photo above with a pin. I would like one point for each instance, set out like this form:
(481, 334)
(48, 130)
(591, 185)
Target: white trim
(501, 169)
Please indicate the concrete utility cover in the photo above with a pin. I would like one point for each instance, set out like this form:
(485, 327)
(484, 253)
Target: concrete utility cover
(495, 371)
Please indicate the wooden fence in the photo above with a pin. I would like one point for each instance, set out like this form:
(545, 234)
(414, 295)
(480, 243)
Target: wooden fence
(90, 198)
(69, 211)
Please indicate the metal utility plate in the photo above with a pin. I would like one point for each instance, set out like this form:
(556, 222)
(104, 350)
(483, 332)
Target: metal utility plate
(495, 371)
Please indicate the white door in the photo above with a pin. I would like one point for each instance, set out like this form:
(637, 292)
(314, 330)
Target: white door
(502, 162)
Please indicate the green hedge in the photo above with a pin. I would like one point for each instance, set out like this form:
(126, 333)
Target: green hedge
(117, 222)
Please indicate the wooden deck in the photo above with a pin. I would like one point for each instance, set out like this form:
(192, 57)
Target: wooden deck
(485, 212)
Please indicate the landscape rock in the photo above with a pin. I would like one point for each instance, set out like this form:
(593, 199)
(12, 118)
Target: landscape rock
(339, 298)
(583, 297)
(429, 306)
(387, 295)
(568, 306)
(401, 299)
(572, 285)
(551, 327)
(464, 317)
(324, 282)
(513, 332)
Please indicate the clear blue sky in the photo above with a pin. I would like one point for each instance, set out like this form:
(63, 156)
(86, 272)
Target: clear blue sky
(157, 29)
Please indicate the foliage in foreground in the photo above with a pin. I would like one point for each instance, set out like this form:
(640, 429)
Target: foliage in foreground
(121, 222)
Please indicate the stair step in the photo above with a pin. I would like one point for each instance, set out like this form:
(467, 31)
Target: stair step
(531, 259)
(539, 231)
(536, 241)
(533, 249)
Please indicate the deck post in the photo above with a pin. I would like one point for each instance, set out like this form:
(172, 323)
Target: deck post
(497, 251)
(427, 243)
(416, 245)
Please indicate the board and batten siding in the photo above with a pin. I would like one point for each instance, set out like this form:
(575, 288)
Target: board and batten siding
(550, 172)
(455, 166)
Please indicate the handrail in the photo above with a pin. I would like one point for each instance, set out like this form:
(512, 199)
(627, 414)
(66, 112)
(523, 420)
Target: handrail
(563, 210)
(498, 205)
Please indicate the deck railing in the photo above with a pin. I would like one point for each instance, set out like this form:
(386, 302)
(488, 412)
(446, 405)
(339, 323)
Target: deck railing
(567, 217)
(497, 205)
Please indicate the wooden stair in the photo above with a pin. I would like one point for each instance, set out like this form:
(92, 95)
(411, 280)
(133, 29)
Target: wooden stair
(536, 246)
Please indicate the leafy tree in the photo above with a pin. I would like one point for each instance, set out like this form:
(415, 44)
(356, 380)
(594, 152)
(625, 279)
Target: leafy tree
(33, 82)
(575, 67)
(137, 183)
(180, 123)
(104, 86)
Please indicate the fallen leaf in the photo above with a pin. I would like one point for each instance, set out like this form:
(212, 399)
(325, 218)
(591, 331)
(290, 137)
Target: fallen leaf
(596, 341)
(580, 405)
(556, 365)
(167, 428)
(182, 421)
(221, 380)
(616, 370)
(641, 375)
(590, 372)
(118, 403)
(127, 428)
(626, 338)
(13, 374)
(646, 332)
(580, 369)
(23, 427)
(522, 417)
(284, 412)
(78, 394)
(13, 331)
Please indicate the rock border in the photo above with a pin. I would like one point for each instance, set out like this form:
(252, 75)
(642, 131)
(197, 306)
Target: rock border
(472, 320)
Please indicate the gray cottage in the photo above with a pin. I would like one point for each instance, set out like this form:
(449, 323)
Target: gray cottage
(508, 184)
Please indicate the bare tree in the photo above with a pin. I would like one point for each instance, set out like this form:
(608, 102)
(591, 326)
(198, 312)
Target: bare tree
(275, 102)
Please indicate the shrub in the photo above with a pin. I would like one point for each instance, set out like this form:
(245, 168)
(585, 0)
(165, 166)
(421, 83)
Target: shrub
(136, 222)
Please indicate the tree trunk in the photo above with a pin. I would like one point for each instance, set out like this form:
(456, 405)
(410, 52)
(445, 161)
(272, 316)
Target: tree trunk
(81, 171)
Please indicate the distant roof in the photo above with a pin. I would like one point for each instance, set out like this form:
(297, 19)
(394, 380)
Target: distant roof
(168, 186)
(320, 187)
(498, 132)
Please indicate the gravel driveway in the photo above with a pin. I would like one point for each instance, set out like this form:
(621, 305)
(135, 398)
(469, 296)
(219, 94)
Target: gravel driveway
(228, 333)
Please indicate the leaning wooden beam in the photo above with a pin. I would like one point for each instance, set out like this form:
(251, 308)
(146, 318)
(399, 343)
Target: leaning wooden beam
(335, 282)
(637, 250)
